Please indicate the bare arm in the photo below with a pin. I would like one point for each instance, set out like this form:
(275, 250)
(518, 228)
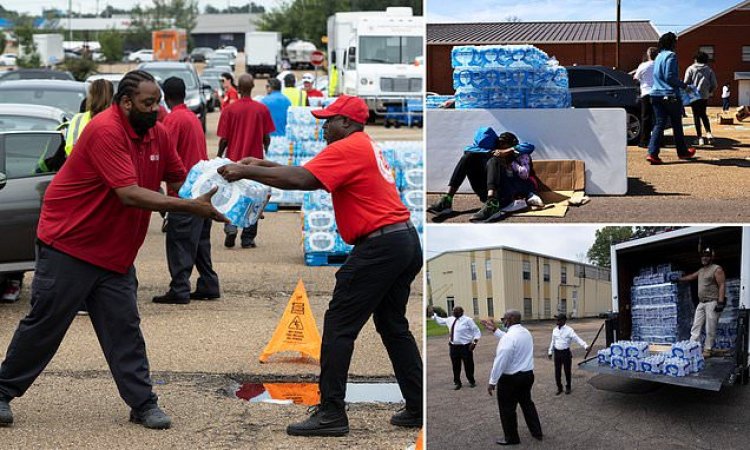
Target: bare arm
(282, 177)
(175, 187)
(138, 197)
(251, 161)
(266, 142)
(223, 143)
(721, 279)
(691, 277)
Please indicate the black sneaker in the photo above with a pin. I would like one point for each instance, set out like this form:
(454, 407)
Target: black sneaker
(170, 299)
(153, 418)
(229, 240)
(6, 415)
(203, 296)
(406, 418)
(489, 209)
(321, 423)
(443, 206)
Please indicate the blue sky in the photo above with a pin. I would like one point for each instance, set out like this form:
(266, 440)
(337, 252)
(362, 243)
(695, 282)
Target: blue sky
(666, 15)
(565, 241)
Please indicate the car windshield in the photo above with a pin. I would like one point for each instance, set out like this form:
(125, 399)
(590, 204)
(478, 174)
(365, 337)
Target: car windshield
(10, 122)
(390, 49)
(185, 75)
(67, 100)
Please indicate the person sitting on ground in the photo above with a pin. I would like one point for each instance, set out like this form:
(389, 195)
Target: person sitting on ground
(510, 177)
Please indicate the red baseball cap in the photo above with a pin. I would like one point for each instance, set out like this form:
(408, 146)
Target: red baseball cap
(346, 105)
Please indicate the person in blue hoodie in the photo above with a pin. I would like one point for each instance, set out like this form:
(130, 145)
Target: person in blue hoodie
(666, 100)
(480, 164)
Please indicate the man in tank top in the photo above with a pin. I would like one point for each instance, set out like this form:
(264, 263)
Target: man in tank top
(711, 299)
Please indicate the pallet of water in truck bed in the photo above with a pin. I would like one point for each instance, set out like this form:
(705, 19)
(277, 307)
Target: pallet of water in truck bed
(325, 258)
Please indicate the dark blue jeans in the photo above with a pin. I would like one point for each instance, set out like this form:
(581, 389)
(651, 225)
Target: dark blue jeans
(725, 104)
(667, 108)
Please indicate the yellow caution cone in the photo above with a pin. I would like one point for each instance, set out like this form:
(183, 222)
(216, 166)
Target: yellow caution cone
(296, 332)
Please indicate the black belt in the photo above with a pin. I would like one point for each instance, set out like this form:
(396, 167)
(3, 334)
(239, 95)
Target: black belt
(401, 226)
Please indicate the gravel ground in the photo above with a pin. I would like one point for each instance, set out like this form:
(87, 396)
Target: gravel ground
(197, 350)
(713, 188)
(628, 414)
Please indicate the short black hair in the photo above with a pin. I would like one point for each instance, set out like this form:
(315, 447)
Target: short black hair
(274, 84)
(701, 57)
(130, 82)
(174, 89)
(667, 41)
(507, 138)
(289, 80)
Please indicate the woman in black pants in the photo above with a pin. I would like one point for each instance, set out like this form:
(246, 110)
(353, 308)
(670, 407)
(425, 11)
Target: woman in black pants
(702, 78)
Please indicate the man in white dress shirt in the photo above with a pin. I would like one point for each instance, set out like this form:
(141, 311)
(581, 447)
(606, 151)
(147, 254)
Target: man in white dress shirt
(513, 374)
(562, 335)
(464, 336)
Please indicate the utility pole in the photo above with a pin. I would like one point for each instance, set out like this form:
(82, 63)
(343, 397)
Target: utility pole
(70, 23)
(617, 47)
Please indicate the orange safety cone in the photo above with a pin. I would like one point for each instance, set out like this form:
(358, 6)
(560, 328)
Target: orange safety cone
(297, 331)
(420, 440)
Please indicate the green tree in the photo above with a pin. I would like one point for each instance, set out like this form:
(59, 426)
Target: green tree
(80, 68)
(598, 254)
(307, 19)
(112, 42)
(2, 42)
(25, 34)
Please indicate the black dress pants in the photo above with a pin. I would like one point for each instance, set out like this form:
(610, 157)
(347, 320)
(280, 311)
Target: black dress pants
(563, 359)
(514, 390)
(462, 354)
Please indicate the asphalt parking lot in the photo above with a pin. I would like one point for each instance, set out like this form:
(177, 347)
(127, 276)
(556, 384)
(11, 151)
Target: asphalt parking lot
(628, 414)
(713, 188)
(197, 352)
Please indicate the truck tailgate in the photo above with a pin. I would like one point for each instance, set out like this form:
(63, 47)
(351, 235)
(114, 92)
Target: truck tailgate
(711, 378)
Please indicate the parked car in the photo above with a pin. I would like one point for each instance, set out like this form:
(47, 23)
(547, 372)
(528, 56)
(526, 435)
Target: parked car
(194, 89)
(36, 74)
(142, 55)
(604, 87)
(219, 59)
(8, 59)
(201, 54)
(24, 117)
(232, 49)
(112, 77)
(63, 94)
(212, 77)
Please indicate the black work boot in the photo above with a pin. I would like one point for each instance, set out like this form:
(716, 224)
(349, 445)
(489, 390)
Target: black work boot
(151, 417)
(407, 418)
(324, 421)
(6, 415)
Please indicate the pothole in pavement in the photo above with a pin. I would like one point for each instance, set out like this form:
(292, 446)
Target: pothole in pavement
(286, 393)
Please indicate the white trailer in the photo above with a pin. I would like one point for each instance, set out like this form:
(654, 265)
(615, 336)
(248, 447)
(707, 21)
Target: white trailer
(375, 55)
(263, 53)
(298, 54)
(680, 249)
(49, 47)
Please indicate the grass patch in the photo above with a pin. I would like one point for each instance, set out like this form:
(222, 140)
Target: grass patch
(433, 329)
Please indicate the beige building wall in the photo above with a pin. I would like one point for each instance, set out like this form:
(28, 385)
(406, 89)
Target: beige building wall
(503, 287)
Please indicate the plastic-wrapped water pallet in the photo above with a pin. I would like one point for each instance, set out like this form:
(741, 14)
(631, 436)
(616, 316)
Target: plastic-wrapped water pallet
(436, 101)
(661, 311)
(508, 76)
(683, 358)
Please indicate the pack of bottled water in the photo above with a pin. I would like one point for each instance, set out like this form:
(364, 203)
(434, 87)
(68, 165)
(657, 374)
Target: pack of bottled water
(242, 201)
(686, 349)
(676, 367)
(508, 76)
(280, 146)
(637, 349)
(726, 329)
(604, 356)
(319, 231)
(653, 364)
(436, 101)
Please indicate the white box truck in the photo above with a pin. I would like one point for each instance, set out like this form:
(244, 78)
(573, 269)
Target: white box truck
(375, 55)
(298, 54)
(680, 249)
(263, 53)
(49, 47)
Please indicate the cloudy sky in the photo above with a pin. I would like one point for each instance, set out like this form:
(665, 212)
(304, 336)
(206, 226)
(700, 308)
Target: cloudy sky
(565, 241)
(666, 15)
(89, 6)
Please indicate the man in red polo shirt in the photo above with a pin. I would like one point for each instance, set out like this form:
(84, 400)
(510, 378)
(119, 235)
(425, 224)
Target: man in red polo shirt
(245, 129)
(376, 278)
(188, 237)
(94, 219)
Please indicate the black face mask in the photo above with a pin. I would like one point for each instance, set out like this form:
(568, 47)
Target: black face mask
(142, 121)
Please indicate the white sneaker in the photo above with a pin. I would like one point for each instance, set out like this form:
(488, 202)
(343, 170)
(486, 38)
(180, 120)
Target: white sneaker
(700, 141)
(535, 200)
(709, 138)
(12, 291)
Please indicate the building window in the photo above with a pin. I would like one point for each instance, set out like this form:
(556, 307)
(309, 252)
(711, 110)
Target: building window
(564, 274)
(547, 308)
(546, 272)
(527, 312)
(746, 53)
(526, 270)
(709, 50)
(488, 269)
(562, 308)
(490, 307)
(473, 271)
(475, 304)
(580, 271)
(451, 304)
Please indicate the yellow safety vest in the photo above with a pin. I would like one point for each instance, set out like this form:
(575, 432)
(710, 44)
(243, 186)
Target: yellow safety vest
(77, 124)
(333, 80)
(298, 97)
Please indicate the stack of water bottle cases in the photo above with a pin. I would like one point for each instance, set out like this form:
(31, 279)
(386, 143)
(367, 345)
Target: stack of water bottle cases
(726, 330)
(682, 358)
(508, 76)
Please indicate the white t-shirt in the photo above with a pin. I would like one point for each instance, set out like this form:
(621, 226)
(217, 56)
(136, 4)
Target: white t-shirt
(645, 74)
(725, 92)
